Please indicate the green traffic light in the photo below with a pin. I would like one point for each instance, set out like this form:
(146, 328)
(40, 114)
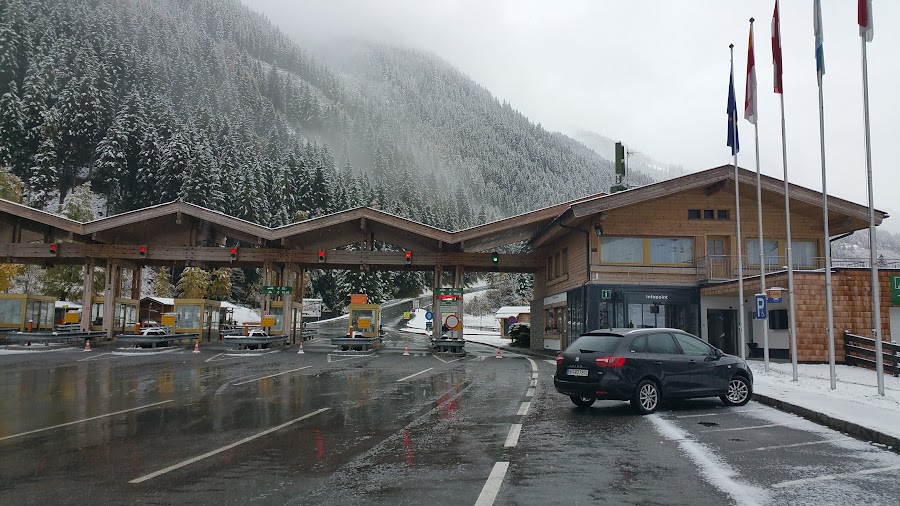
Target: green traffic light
(495, 258)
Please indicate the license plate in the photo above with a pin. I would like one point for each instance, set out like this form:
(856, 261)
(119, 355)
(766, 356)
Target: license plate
(577, 372)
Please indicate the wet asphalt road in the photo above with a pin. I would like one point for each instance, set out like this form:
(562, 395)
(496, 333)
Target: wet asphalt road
(383, 428)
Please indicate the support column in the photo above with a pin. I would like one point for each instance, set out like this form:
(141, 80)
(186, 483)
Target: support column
(266, 299)
(301, 289)
(136, 283)
(87, 295)
(436, 302)
(109, 297)
(287, 324)
(537, 308)
(458, 282)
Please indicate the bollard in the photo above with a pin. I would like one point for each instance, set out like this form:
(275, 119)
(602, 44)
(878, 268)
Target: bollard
(137, 328)
(30, 325)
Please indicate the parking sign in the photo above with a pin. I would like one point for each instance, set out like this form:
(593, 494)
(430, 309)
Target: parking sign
(760, 306)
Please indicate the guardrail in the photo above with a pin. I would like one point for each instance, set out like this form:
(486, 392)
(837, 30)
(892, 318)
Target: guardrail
(859, 350)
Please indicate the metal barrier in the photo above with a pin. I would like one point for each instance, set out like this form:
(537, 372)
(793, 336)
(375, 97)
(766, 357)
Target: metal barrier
(859, 350)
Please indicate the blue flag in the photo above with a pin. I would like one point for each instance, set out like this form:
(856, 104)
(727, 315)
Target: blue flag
(733, 142)
(817, 30)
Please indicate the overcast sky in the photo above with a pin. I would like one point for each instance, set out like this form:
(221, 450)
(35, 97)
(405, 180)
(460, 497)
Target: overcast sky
(654, 74)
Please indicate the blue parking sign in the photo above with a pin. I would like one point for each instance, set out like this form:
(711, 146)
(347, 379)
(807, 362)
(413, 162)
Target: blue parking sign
(760, 306)
(429, 315)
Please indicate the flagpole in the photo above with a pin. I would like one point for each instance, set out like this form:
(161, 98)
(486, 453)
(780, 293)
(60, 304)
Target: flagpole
(737, 211)
(876, 296)
(829, 310)
(762, 263)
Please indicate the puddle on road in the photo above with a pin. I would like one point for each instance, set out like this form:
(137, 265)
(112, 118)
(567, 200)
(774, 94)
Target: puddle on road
(709, 424)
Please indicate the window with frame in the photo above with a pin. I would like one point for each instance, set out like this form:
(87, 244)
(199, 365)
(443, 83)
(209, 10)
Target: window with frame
(778, 319)
(662, 343)
(556, 267)
(803, 254)
(549, 268)
(722, 214)
(622, 250)
(671, 251)
(693, 346)
(709, 214)
(770, 252)
(693, 214)
(565, 261)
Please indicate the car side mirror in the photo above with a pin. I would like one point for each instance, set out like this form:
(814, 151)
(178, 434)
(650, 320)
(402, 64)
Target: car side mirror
(719, 353)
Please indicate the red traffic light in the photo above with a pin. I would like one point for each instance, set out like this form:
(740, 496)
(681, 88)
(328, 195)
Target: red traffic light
(54, 248)
(142, 251)
(321, 255)
(233, 253)
(409, 257)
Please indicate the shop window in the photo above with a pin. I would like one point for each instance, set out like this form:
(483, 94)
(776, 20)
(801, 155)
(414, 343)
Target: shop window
(693, 214)
(778, 319)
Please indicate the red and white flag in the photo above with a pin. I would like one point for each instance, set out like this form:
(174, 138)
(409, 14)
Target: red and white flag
(865, 20)
(750, 109)
(776, 50)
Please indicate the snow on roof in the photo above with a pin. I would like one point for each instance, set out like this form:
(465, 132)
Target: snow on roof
(64, 303)
(242, 314)
(507, 311)
(166, 301)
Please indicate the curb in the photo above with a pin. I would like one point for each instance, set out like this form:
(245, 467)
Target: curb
(522, 351)
(853, 429)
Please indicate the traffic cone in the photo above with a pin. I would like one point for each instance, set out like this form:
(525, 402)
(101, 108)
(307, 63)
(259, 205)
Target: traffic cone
(87, 345)
(197, 346)
(406, 350)
(300, 351)
(498, 353)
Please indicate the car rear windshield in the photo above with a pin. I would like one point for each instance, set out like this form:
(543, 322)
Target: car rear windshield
(595, 344)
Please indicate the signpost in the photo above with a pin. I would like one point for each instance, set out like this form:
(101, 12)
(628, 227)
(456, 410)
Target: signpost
(774, 295)
(275, 290)
(895, 290)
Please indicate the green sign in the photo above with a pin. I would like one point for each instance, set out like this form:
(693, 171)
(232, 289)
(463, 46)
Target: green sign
(275, 290)
(605, 294)
(450, 291)
(895, 290)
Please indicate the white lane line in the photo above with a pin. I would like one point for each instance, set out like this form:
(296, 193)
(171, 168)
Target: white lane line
(533, 364)
(222, 449)
(351, 357)
(534, 376)
(416, 374)
(533, 383)
(778, 447)
(715, 471)
(251, 354)
(826, 477)
(94, 356)
(214, 356)
(86, 419)
(492, 485)
(512, 439)
(523, 409)
(272, 375)
(530, 392)
(448, 361)
(757, 426)
(722, 412)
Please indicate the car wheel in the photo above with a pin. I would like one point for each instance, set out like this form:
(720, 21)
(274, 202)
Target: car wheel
(646, 397)
(582, 402)
(738, 393)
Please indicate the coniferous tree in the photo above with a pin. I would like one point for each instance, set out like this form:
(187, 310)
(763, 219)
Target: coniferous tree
(193, 283)
(162, 285)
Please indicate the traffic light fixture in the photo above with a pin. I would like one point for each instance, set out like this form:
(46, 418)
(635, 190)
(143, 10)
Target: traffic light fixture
(495, 258)
(408, 257)
(233, 253)
(142, 251)
(54, 249)
(321, 256)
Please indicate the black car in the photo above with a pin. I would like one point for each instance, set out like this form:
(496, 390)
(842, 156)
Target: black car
(646, 365)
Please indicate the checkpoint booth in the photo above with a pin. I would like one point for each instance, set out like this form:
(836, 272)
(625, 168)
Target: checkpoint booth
(125, 316)
(197, 316)
(17, 309)
(365, 319)
(276, 310)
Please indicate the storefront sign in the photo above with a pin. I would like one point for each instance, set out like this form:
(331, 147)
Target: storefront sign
(555, 299)
(654, 297)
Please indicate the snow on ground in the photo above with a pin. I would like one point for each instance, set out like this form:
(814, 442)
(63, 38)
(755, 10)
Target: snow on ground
(416, 325)
(854, 400)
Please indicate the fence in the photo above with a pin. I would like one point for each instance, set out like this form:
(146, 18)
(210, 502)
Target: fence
(859, 350)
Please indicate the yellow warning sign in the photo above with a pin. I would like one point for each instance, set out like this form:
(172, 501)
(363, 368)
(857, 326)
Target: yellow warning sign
(168, 320)
(71, 318)
(268, 321)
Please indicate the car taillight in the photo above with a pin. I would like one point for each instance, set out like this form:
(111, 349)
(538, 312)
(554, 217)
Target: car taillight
(559, 359)
(610, 361)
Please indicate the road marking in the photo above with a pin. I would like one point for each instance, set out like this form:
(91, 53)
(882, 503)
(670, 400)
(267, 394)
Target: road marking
(492, 486)
(447, 361)
(272, 375)
(214, 356)
(416, 374)
(523, 409)
(533, 364)
(93, 357)
(534, 376)
(778, 447)
(804, 481)
(86, 419)
(350, 357)
(512, 439)
(533, 382)
(251, 354)
(551, 362)
(715, 471)
(756, 426)
(723, 411)
(224, 448)
(530, 392)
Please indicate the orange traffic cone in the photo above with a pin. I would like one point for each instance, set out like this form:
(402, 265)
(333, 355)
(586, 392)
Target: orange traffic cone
(406, 350)
(197, 347)
(87, 345)
(498, 353)
(300, 351)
